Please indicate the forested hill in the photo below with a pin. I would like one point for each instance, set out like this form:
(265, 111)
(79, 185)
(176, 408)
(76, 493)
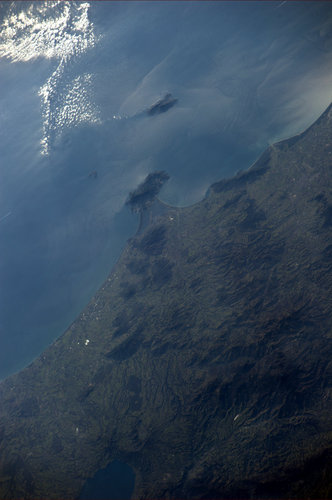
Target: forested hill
(205, 360)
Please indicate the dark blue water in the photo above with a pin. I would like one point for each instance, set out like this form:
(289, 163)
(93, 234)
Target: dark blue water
(245, 74)
(115, 482)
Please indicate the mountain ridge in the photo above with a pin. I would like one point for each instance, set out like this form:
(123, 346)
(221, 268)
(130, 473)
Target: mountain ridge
(204, 359)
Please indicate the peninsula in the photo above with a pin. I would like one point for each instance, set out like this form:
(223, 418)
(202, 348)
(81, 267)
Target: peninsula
(203, 363)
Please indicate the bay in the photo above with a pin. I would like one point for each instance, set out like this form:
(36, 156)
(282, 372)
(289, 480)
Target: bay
(76, 139)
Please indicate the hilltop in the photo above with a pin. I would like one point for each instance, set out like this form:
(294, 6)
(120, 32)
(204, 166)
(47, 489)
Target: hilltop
(204, 361)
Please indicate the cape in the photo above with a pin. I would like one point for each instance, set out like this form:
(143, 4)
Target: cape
(204, 362)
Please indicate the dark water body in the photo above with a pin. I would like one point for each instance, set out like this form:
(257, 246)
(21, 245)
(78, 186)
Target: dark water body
(70, 270)
(245, 74)
(115, 482)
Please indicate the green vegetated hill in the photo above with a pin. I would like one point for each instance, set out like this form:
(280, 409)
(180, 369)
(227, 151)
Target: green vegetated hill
(205, 360)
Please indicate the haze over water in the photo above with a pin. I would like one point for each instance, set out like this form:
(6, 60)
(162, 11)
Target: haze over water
(75, 79)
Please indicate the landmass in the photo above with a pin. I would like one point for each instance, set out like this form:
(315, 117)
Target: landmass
(162, 105)
(145, 194)
(204, 360)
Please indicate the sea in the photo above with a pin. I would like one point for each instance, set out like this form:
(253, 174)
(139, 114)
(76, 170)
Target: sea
(76, 82)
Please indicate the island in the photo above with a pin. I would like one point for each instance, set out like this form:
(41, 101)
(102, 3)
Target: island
(162, 105)
(203, 363)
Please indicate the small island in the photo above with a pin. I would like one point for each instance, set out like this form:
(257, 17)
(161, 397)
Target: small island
(202, 366)
(162, 105)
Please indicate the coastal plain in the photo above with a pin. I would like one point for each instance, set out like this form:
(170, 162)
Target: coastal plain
(204, 360)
